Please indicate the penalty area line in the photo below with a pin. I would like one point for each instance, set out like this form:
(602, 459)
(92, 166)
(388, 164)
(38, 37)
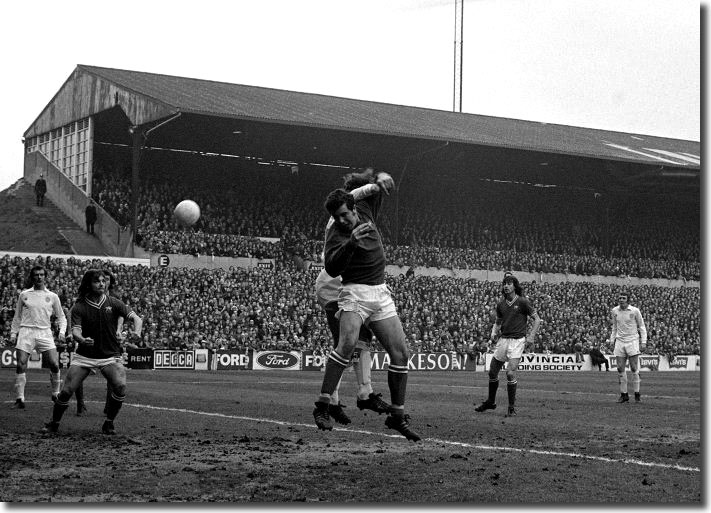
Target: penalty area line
(604, 459)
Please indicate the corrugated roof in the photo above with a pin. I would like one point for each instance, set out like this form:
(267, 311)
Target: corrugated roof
(222, 99)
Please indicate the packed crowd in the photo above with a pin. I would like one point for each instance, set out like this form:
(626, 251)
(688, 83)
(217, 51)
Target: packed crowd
(484, 225)
(276, 308)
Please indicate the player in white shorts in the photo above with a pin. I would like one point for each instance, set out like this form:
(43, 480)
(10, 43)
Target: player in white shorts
(94, 323)
(32, 330)
(327, 291)
(629, 334)
(354, 251)
(512, 314)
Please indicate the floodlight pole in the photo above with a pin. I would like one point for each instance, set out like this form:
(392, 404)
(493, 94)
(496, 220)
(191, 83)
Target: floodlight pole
(458, 55)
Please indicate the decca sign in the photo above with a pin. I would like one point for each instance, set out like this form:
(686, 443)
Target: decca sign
(173, 359)
(269, 360)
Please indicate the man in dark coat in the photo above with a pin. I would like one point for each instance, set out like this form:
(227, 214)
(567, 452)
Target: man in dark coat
(597, 358)
(40, 190)
(90, 216)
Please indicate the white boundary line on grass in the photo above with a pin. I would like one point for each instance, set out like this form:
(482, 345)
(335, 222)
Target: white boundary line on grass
(629, 461)
(430, 386)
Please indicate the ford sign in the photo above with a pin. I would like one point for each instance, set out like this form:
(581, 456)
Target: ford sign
(276, 360)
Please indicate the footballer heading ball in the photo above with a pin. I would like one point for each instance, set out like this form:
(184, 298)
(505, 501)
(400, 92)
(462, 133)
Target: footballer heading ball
(187, 212)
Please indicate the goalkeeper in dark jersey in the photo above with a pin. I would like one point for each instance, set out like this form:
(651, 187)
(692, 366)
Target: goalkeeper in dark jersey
(354, 251)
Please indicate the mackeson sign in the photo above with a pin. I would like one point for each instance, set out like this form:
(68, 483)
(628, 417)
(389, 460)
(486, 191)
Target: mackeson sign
(424, 361)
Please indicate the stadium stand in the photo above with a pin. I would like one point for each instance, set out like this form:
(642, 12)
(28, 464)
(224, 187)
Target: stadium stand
(559, 230)
(276, 309)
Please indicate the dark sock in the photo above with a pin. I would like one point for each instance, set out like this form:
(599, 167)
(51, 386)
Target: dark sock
(113, 406)
(397, 381)
(60, 406)
(511, 389)
(335, 365)
(493, 387)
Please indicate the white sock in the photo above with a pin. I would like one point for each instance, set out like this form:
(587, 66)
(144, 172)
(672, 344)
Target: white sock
(20, 380)
(622, 378)
(55, 380)
(335, 397)
(362, 370)
(635, 381)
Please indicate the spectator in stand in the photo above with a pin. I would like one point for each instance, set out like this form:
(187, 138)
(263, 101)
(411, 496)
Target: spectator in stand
(573, 241)
(578, 350)
(482, 349)
(425, 303)
(40, 190)
(90, 216)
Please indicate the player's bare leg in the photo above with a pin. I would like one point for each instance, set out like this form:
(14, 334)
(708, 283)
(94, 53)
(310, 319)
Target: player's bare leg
(636, 379)
(81, 407)
(622, 379)
(50, 358)
(115, 375)
(75, 375)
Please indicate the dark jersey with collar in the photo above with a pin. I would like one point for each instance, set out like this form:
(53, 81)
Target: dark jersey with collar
(363, 262)
(99, 321)
(513, 316)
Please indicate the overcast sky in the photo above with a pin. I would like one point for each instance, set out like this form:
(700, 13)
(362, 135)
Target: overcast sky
(624, 65)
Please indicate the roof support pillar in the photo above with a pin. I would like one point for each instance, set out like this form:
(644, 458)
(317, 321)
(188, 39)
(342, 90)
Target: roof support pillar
(138, 135)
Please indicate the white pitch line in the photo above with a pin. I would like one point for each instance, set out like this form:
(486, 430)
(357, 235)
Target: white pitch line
(410, 384)
(629, 461)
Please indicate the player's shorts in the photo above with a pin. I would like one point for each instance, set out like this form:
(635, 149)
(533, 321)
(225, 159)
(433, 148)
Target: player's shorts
(507, 348)
(94, 363)
(372, 302)
(364, 337)
(626, 349)
(327, 288)
(29, 339)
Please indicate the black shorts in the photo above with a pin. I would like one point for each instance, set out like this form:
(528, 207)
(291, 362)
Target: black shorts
(331, 309)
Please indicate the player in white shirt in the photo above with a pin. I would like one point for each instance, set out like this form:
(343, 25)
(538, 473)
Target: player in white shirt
(32, 329)
(629, 335)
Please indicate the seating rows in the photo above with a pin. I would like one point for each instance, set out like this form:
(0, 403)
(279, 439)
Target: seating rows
(459, 223)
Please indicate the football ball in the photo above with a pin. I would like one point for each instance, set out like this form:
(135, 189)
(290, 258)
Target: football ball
(187, 212)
